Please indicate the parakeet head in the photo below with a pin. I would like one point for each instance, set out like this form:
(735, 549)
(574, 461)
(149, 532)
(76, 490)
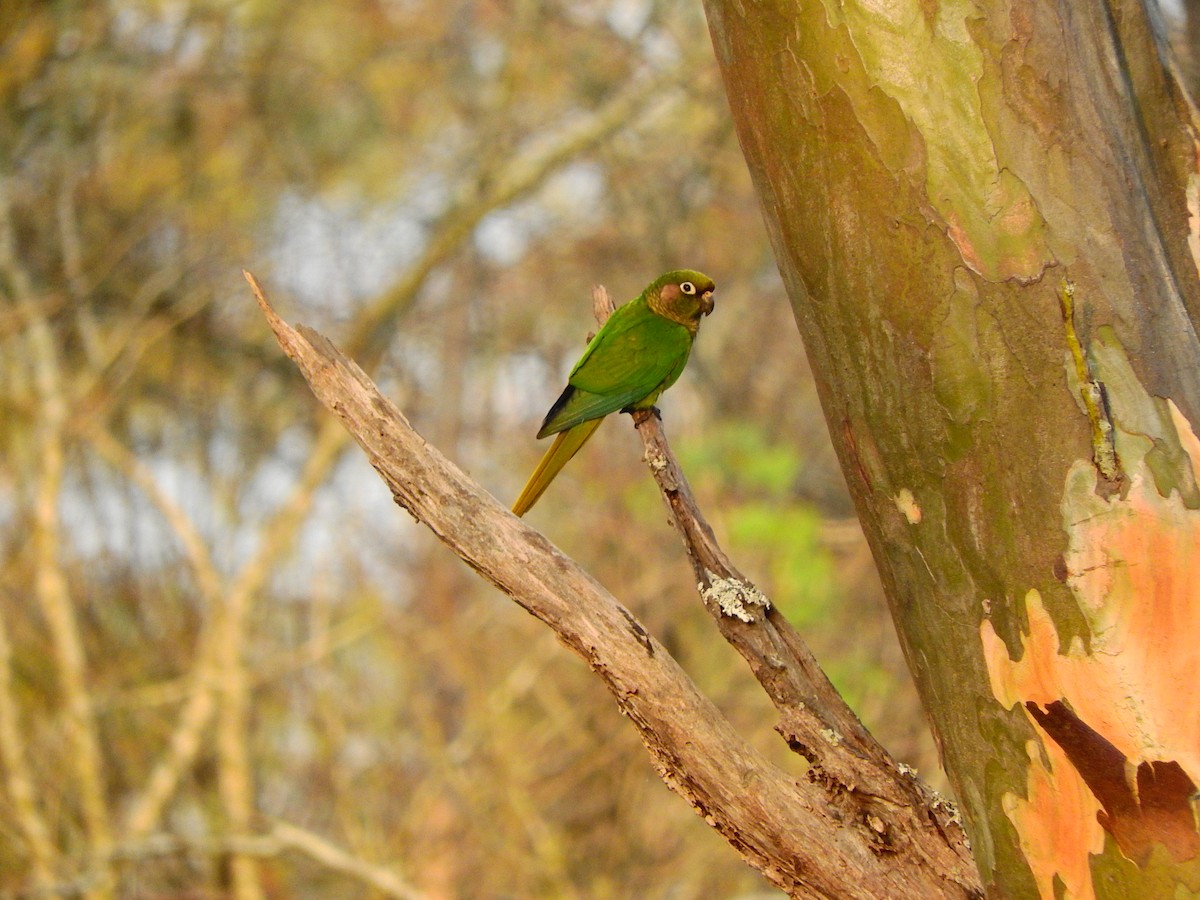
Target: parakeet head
(683, 296)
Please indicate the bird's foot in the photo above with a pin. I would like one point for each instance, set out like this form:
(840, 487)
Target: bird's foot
(641, 415)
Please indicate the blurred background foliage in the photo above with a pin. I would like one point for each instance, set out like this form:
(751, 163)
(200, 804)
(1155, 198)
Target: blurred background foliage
(228, 665)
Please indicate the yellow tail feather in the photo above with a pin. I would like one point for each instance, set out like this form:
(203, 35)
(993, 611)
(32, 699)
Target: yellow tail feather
(566, 444)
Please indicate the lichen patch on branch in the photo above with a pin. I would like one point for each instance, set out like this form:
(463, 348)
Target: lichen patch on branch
(738, 599)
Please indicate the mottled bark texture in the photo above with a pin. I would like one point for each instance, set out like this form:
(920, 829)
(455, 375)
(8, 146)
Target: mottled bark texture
(985, 215)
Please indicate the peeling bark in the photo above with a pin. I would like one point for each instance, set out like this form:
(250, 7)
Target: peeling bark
(986, 217)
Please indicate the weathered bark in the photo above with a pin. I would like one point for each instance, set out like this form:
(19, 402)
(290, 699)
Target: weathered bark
(1187, 44)
(985, 215)
(856, 826)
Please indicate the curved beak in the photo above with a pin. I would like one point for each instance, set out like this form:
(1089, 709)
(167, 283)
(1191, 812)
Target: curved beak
(706, 302)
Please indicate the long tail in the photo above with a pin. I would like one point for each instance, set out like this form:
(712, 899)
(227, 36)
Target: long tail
(566, 444)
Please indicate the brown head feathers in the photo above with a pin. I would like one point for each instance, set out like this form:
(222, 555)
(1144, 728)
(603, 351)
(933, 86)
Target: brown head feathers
(683, 296)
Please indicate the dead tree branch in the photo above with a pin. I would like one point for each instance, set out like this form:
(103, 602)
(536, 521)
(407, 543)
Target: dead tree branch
(855, 826)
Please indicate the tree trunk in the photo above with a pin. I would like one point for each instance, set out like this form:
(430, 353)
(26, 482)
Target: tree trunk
(985, 215)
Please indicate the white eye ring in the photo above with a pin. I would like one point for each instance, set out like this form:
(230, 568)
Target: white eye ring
(688, 288)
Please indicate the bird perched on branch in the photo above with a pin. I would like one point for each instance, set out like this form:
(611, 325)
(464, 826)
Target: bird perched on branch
(635, 356)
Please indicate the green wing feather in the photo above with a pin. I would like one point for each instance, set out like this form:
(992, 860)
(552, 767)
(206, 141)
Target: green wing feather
(635, 357)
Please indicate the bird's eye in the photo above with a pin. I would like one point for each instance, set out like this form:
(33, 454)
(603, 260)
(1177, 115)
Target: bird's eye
(688, 288)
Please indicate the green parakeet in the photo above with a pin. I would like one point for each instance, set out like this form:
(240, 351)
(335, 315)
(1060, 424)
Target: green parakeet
(638, 354)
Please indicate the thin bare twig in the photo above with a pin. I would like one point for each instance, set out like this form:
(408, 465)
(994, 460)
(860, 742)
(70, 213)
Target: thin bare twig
(195, 550)
(516, 178)
(51, 587)
(18, 779)
(233, 608)
(280, 837)
(344, 633)
(334, 858)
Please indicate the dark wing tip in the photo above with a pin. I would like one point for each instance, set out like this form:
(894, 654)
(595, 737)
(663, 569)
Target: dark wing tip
(548, 425)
